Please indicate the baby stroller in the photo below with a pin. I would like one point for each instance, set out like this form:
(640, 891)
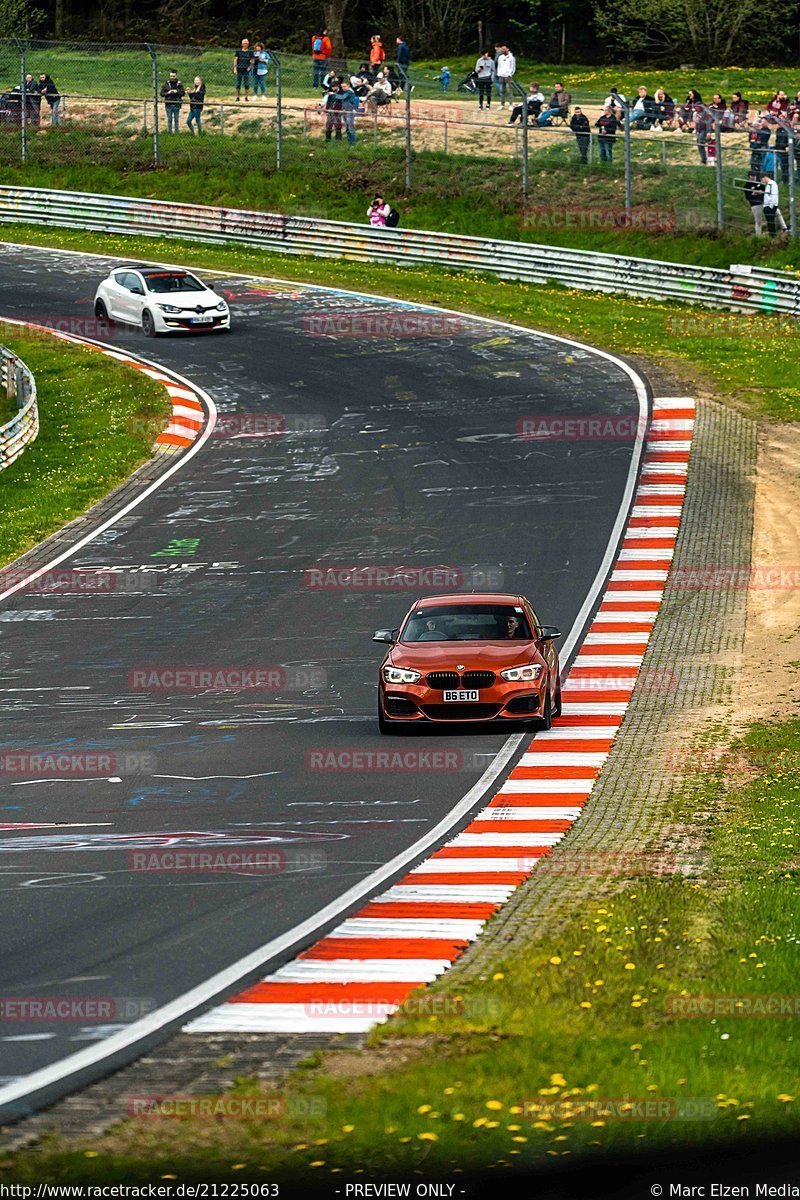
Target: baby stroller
(469, 83)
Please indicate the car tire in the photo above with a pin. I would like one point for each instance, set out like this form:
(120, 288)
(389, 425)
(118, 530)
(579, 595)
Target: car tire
(148, 324)
(386, 725)
(101, 313)
(557, 703)
(546, 719)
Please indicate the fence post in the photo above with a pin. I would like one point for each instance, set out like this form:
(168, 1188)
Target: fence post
(222, 120)
(278, 111)
(591, 147)
(23, 115)
(154, 61)
(445, 137)
(524, 123)
(407, 81)
(628, 197)
(720, 201)
(792, 197)
(144, 117)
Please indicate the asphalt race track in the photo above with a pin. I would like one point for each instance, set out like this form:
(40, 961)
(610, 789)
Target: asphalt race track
(391, 451)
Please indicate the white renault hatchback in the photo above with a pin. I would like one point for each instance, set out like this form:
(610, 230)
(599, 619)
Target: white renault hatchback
(160, 301)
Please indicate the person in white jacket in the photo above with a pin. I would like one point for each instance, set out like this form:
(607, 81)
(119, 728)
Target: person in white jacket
(506, 69)
(772, 214)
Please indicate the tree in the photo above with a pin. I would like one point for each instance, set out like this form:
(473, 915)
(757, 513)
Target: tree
(710, 34)
(18, 18)
(334, 21)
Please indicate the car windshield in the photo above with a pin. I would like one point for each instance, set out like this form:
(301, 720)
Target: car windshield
(467, 623)
(172, 281)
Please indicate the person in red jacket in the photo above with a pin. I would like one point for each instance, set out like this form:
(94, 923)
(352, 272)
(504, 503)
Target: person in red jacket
(377, 54)
(321, 50)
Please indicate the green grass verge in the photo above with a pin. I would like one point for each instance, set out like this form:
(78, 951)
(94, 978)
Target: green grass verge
(460, 193)
(128, 73)
(85, 444)
(751, 362)
(566, 1026)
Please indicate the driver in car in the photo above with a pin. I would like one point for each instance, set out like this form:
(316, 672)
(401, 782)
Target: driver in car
(431, 632)
(513, 627)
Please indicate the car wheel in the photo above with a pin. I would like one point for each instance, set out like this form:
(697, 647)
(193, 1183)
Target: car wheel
(148, 324)
(546, 719)
(557, 701)
(386, 724)
(101, 312)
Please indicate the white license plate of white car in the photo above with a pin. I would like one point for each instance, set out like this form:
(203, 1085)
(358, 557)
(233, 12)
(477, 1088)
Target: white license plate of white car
(461, 696)
(201, 320)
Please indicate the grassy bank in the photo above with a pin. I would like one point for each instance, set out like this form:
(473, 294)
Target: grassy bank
(750, 362)
(127, 73)
(85, 446)
(467, 193)
(566, 1031)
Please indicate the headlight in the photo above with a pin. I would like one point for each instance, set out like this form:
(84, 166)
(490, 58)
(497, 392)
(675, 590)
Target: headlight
(170, 308)
(399, 675)
(521, 674)
(221, 306)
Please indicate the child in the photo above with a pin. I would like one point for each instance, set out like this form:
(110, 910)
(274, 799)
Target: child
(444, 78)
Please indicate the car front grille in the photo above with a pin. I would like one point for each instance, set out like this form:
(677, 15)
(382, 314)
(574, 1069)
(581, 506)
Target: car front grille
(439, 680)
(477, 679)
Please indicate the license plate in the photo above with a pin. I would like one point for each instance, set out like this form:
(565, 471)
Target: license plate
(462, 695)
(201, 320)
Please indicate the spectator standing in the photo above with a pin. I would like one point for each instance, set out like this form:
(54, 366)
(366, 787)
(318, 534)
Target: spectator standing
(754, 195)
(350, 106)
(703, 126)
(444, 78)
(782, 153)
(759, 143)
(33, 98)
(579, 124)
(377, 54)
(772, 213)
(51, 94)
(506, 70)
(608, 125)
(242, 69)
(403, 57)
(261, 61)
(197, 98)
(173, 92)
(378, 212)
(321, 50)
(332, 104)
(484, 77)
(557, 105)
(533, 103)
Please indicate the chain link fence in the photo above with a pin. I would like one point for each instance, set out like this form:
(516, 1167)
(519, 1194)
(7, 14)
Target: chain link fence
(71, 111)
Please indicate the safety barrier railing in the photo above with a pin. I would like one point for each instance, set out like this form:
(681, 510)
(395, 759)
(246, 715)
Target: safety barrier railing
(18, 387)
(739, 288)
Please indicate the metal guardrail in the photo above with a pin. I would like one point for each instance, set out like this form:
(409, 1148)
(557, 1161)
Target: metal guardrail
(740, 288)
(18, 385)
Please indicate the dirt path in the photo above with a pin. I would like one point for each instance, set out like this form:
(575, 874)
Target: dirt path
(771, 659)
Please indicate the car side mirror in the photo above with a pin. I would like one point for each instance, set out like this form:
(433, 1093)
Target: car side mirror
(550, 633)
(136, 290)
(385, 635)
